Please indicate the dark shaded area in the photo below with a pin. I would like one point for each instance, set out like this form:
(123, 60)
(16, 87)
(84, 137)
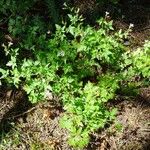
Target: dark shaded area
(136, 12)
(16, 104)
(147, 146)
(128, 11)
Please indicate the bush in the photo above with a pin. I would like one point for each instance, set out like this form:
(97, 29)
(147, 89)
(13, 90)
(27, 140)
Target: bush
(84, 66)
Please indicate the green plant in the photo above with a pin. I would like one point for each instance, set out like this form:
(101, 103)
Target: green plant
(140, 60)
(26, 22)
(86, 113)
(136, 64)
(84, 67)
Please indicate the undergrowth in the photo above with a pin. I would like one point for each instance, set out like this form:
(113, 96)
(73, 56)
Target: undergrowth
(83, 65)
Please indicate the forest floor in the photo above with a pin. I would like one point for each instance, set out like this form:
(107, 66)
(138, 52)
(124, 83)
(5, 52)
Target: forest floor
(36, 127)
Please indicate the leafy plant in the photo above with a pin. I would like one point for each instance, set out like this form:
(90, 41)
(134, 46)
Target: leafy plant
(84, 66)
(140, 60)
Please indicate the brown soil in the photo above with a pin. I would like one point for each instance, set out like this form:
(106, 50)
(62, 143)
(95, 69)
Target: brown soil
(38, 126)
(134, 116)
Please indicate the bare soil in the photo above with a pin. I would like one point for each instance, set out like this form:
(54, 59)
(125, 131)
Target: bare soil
(37, 127)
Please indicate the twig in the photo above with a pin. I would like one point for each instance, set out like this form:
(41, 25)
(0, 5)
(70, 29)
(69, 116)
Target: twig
(26, 112)
(146, 28)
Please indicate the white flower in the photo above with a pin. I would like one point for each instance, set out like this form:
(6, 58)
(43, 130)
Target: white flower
(131, 25)
(10, 44)
(48, 32)
(106, 13)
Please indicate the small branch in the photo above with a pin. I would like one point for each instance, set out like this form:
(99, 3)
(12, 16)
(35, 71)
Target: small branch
(26, 112)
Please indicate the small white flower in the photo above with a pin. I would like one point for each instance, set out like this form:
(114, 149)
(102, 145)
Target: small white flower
(48, 32)
(131, 25)
(106, 13)
(10, 44)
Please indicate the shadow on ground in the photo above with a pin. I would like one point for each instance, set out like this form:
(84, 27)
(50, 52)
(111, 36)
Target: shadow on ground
(12, 104)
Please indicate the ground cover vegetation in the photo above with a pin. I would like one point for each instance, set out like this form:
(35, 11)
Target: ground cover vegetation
(84, 66)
